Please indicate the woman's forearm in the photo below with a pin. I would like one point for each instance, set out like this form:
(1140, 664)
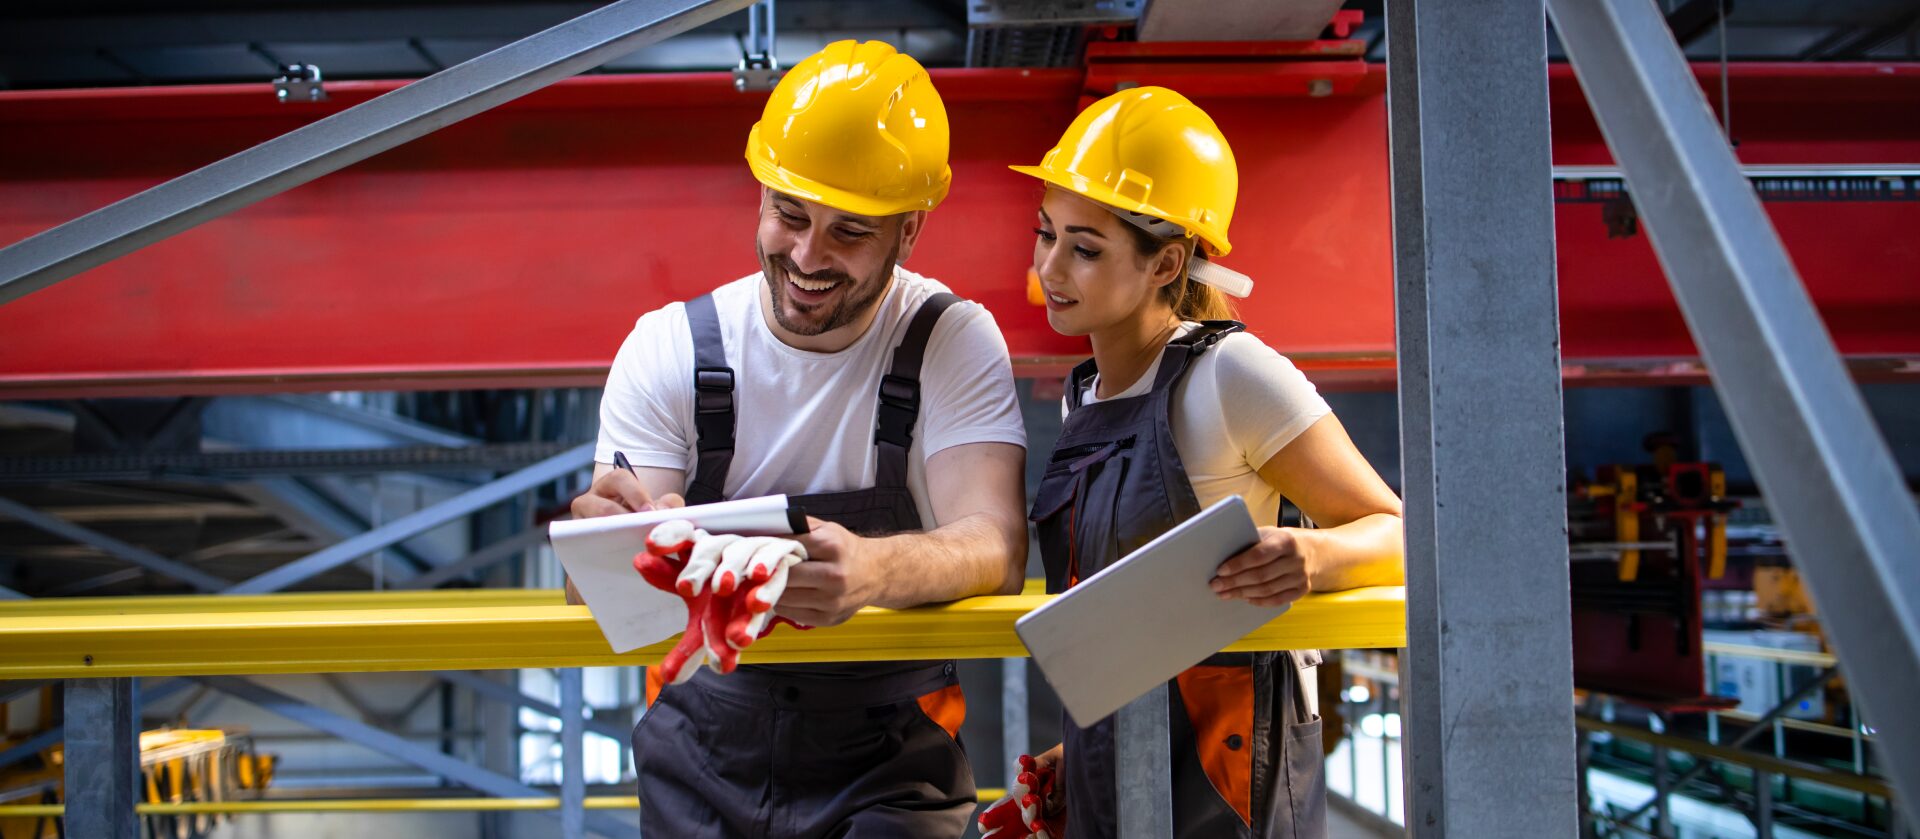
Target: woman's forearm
(1367, 551)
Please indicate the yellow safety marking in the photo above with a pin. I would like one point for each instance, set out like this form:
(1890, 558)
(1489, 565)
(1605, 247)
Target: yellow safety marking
(178, 641)
(1627, 521)
(1716, 527)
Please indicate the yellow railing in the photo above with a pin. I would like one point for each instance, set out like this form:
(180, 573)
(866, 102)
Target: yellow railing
(496, 629)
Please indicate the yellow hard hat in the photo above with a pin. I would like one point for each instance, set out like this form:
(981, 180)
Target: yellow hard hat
(1149, 150)
(857, 127)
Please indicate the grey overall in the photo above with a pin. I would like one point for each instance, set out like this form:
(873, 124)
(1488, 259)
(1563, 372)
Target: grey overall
(1243, 740)
(826, 750)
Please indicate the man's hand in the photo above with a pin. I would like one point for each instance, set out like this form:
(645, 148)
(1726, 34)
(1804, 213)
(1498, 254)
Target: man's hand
(617, 491)
(1271, 573)
(839, 577)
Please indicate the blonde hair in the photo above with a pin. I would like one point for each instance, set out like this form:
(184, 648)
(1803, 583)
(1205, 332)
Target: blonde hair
(1189, 299)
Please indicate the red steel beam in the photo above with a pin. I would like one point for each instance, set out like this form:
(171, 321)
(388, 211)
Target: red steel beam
(515, 249)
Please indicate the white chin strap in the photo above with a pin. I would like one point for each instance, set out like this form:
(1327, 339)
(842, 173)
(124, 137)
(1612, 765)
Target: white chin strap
(1200, 269)
(1232, 282)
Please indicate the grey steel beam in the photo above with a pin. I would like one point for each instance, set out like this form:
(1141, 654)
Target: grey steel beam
(1015, 736)
(459, 506)
(196, 555)
(113, 547)
(573, 766)
(315, 422)
(1842, 505)
(323, 517)
(1488, 681)
(485, 557)
(447, 766)
(10, 594)
(480, 684)
(352, 135)
(253, 464)
(1143, 767)
(102, 758)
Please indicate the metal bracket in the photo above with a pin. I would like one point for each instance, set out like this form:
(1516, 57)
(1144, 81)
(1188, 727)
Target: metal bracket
(1052, 12)
(759, 69)
(299, 83)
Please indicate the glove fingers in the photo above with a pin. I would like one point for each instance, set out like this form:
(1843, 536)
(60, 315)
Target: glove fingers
(689, 667)
(670, 537)
(721, 656)
(1002, 819)
(657, 571)
(746, 627)
(702, 560)
(735, 560)
(766, 595)
(773, 555)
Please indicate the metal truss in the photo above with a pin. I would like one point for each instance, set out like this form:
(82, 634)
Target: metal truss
(1829, 478)
(413, 524)
(350, 136)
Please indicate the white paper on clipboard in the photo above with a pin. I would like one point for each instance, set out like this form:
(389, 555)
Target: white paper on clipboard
(1142, 620)
(598, 555)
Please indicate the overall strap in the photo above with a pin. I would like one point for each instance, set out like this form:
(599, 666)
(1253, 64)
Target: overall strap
(899, 407)
(1173, 362)
(1077, 383)
(713, 405)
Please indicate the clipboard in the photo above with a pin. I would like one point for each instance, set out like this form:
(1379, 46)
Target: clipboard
(1142, 620)
(598, 555)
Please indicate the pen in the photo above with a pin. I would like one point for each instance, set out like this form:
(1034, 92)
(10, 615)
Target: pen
(620, 462)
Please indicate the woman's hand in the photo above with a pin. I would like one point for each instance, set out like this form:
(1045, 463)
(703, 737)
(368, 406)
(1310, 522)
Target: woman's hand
(1049, 762)
(1271, 573)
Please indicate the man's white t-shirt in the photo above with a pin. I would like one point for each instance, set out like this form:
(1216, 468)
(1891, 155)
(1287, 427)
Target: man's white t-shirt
(1238, 406)
(805, 419)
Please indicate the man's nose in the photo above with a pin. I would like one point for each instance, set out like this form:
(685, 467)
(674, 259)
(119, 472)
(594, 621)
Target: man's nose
(812, 252)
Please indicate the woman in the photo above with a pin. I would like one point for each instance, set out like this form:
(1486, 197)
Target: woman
(1178, 408)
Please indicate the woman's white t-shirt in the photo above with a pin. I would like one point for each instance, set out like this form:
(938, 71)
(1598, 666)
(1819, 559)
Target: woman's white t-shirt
(1223, 441)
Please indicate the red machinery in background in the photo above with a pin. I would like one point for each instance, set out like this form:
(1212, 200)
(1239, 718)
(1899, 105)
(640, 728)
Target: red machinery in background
(1644, 541)
(516, 248)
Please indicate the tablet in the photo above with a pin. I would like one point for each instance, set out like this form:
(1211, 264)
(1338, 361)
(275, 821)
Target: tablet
(1141, 621)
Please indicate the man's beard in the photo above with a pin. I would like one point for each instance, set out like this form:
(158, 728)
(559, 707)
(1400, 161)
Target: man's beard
(855, 302)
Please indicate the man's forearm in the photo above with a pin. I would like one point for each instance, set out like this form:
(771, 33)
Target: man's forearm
(976, 555)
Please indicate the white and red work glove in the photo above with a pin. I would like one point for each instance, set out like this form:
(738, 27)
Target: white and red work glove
(1022, 813)
(730, 585)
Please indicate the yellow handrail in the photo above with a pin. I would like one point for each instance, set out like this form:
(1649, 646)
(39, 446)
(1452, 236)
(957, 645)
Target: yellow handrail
(191, 635)
(363, 805)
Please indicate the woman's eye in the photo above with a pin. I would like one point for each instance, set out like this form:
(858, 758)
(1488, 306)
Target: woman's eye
(1043, 233)
(1086, 254)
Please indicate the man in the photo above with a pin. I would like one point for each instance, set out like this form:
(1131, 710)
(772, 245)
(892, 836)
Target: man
(886, 406)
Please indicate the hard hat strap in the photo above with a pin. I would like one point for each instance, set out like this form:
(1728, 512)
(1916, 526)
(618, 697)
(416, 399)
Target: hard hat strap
(1155, 226)
(1200, 269)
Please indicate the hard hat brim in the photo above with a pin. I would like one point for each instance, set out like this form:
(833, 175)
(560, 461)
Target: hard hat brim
(1216, 244)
